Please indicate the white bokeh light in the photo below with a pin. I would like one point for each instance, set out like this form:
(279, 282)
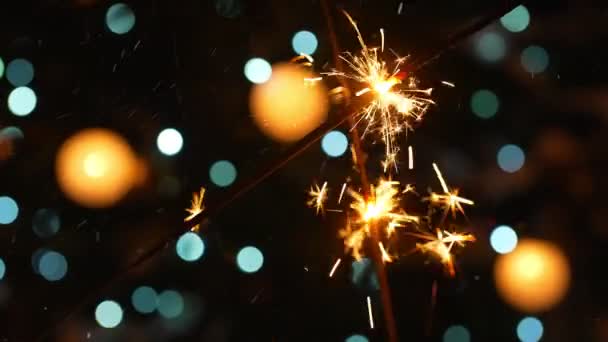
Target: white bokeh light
(170, 142)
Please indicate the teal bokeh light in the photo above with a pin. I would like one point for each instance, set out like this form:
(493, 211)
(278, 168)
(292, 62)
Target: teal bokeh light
(190, 247)
(144, 299)
(356, 338)
(258, 70)
(250, 259)
(108, 314)
(222, 173)
(19, 72)
(1, 67)
(52, 265)
(503, 239)
(484, 103)
(170, 304)
(304, 42)
(120, 18)
(45, 223)
(530, 329)
(510, 158)
(517, 20)
(491, 47)
(22, 101)
(334, 143)
(456, 333)
(2, 268)
(535, 59)
(9, 210)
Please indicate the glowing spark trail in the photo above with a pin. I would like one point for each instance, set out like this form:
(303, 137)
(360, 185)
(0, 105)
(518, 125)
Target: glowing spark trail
(449, 200)
(441, 246)
(410, 153)
(196, 207)
(390, 111)
(370, 312)
(449, 84)
(333, 269)
(318, 196)
(341, 193)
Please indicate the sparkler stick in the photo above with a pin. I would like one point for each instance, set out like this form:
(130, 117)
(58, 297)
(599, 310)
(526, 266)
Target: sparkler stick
(269, 169)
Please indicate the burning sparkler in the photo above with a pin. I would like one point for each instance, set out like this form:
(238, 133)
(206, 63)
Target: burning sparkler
(318, 196)
(441, 246)
(449, 200)
(391, 111)
(196, 207)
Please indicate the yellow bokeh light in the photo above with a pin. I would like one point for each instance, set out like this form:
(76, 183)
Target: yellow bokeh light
(534, 277)
(286, 107)
(96, 168)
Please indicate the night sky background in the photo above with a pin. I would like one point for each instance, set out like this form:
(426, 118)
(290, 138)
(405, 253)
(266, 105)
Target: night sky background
(181, 66)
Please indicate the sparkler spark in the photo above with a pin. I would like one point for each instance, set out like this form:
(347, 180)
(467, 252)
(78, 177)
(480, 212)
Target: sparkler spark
(449, 200)
(318, 196)
(390, 111)
(441, 246)
(370, 312)
(335, 267)
(196, 207)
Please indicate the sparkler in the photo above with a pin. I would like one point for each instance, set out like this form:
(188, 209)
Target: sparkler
(318, 196)
(449, 200)
(441, 245)
(390, 111)
(196, 207)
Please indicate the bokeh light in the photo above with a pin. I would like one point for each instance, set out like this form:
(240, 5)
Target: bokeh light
(222, 173)
(1, 67)
(190, 247)
(510, 158)
(517, 20)
(120, 18)
(9, 210)
(456, 333)
(170, 304)
(9, 140)
(503, 239)
(19, 72)
(491, 47)
(286, 108)
(169, 141)
(36, 259)
(334, 143)
(22, 101)
(2, 268)
(304, 42)
(484, 103)
(108, 314)
(258, 70)
(356, 338)
(530, 329)
(250, 259)
(96, 168)
(52, 266)
(45, 223)
(534, 277)
(364, 275)
(144, 299)
(534, 59)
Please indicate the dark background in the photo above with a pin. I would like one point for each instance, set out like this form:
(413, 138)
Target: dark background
(182, 66)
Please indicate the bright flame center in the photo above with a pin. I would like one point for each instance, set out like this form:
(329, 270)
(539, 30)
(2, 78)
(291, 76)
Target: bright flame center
(95, 166)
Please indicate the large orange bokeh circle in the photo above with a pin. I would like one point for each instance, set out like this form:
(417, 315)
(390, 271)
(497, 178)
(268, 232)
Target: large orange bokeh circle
(286, 107)
(534, 277)
(96, 168)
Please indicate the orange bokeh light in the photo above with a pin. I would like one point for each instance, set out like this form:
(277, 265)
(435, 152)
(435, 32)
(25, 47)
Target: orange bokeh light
(534, 277)
(287, 107)
(96, 168)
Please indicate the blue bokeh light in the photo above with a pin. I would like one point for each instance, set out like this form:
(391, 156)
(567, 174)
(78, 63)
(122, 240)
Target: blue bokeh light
(334, 143)
(108, 314)
(304, 42)
(170, 304)
(250, 259)
(484, 103)
(120, 18)
(530, 329)
(9, 210)
(144, 299)
(45, 223)
(169, 141)
(258, 70)
(364, 275)
(503, 239)
(535, 59)
(456, 333)
(190, 247)
(22, 101)
(517, 20)
(356, 338)
(222, 173)
(2, 268)
(491, 47)
(52, 265)
(510, 158)
(1, 67)
(19, 72)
